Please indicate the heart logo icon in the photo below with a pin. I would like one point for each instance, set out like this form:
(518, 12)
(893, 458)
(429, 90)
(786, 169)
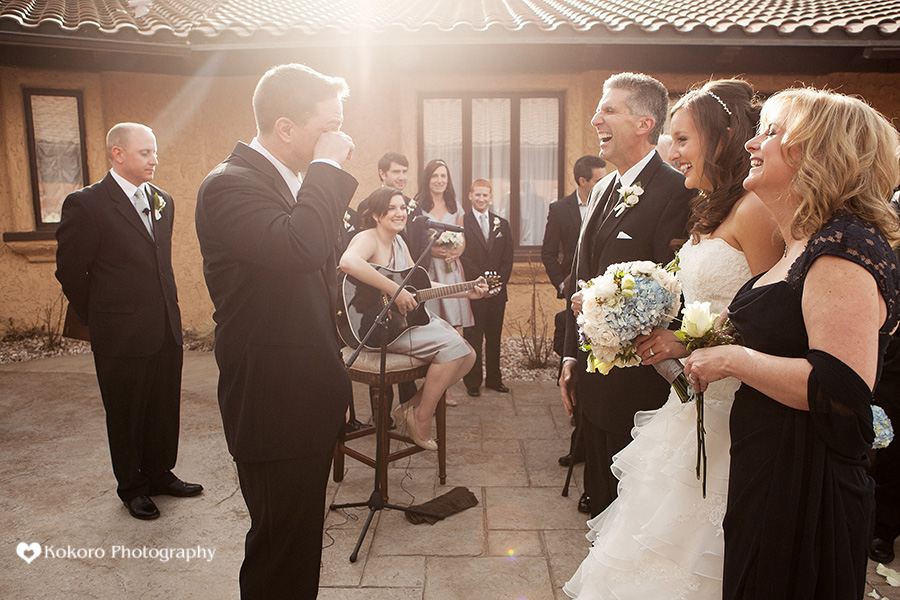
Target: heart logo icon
(28, 552)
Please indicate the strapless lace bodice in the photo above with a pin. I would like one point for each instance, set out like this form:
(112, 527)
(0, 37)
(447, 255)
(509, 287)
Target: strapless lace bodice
(712, 270)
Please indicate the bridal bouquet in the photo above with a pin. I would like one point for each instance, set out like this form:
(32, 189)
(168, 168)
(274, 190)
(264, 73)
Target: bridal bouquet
(450, 239)
(628, 300)
(700, 328)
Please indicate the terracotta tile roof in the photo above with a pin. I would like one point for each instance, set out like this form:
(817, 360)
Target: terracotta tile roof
(387, 20)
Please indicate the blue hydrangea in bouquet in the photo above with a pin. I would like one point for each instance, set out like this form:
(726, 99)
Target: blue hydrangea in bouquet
(884, 432)
(628, 300)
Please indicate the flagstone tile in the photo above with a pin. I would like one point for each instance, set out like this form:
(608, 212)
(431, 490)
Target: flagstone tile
(488, 577)
(530, 509)
(514, 543)
(394, 572)
(481, 470)
(565, 551)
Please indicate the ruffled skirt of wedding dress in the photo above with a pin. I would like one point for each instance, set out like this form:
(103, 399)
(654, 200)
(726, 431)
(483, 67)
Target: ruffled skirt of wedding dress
(660, 538)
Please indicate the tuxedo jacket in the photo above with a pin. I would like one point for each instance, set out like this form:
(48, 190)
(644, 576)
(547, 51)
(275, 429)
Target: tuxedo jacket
(561, 236)
(270, 266)
(117, 278)
(492, 254)
(643, 232)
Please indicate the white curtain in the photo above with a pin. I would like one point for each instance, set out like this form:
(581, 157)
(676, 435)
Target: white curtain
(443, 138)
(57, 141)
(490, 148)
(539, 160)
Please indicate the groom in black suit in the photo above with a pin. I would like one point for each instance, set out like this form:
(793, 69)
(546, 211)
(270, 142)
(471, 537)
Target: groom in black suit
(629, 119)
(268, 242)
(114, 261)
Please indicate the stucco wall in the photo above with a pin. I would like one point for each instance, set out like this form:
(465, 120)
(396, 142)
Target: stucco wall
(197, 121)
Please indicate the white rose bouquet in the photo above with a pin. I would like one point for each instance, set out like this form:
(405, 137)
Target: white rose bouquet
(701, 328)
(450, 239)
(628, 300)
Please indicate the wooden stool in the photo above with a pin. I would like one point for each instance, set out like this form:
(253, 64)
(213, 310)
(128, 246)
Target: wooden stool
(399, 368)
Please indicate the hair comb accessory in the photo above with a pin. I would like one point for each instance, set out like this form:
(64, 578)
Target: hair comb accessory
(719, 100)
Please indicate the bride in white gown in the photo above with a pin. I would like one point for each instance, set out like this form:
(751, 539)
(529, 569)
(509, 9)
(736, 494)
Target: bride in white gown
(661, 538)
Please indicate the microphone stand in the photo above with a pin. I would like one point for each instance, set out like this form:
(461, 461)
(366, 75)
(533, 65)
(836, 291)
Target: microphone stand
(376, 501)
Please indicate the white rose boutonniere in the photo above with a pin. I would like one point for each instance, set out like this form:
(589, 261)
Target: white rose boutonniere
(496, 223)
(159, 204)
(630, 195)
(347, 225)
(411, 206)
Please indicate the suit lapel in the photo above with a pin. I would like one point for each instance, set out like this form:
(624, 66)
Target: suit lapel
(262, 164)
(492, 231)
(124, 207)
(612, 223)
(574, 212)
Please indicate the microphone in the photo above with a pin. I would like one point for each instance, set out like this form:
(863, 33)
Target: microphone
(437, 225)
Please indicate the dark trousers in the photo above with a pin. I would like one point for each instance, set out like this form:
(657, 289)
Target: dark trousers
(142, 398)
(600, 446)
(283, 549)
(488, 313)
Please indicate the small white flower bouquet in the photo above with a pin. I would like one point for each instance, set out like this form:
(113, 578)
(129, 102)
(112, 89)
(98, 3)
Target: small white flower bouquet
(628, 300)
(450, 239)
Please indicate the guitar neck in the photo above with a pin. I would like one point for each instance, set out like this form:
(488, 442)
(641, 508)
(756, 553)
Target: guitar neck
(447, 290)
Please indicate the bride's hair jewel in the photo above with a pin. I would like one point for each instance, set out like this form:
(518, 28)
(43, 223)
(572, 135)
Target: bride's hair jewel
(719, 100)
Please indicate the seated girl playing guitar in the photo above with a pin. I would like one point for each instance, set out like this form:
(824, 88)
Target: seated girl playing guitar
(436, 342)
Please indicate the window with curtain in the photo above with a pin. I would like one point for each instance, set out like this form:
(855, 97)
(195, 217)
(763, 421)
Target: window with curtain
(512, 140)
(57, 154)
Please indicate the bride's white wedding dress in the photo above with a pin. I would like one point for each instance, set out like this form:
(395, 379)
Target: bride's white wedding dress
(660, 538)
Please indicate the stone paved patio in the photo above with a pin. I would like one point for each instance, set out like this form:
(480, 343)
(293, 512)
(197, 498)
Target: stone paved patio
(522, 541)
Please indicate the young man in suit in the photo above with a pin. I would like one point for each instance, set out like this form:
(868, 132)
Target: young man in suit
(564, 221)
(114, 261)
(268, 242)
(489, 247)
(629, 120)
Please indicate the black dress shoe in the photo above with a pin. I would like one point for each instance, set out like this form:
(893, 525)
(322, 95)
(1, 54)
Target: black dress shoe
(474, 392)
(498, 388)
(142, 507)
(354, 425)
(584, 504)
(566, 460)
(881, 550)
(177, 488)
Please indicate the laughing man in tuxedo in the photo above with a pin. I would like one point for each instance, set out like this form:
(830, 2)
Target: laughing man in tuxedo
(114, 261)
(629, 120)
(268, 242)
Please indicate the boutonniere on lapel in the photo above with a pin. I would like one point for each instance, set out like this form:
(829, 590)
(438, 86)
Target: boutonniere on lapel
(158, 205)
(347, 225)
(411, 206)
(630, 195)
(496, 223)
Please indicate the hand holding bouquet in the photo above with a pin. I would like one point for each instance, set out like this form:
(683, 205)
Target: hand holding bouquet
(451, 240)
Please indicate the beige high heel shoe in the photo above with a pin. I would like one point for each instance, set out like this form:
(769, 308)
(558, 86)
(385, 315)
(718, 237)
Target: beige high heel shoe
(413, 433)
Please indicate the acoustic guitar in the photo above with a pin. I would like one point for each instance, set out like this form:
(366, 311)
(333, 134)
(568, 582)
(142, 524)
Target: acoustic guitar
(359, 304)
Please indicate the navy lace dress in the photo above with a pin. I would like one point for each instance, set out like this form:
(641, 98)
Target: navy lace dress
(799, 498)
